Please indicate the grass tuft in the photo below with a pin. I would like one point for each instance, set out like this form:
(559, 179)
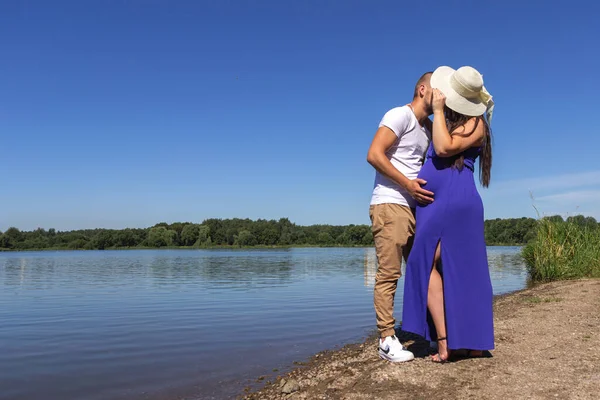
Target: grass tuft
(563, 250)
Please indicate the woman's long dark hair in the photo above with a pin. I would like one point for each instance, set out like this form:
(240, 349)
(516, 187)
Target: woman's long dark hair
(455, 120)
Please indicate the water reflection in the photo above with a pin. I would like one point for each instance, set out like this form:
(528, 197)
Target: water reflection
(22, 271)
(246, 270)
(160, 268)
(507, 268)
(505, 258)
(370, 267)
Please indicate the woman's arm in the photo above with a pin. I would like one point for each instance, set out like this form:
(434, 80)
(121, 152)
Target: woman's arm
(446, 144)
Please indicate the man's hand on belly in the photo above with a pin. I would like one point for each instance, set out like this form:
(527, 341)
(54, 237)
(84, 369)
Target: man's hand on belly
(418, 193)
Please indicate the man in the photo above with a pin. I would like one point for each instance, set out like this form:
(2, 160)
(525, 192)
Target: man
(397, 154)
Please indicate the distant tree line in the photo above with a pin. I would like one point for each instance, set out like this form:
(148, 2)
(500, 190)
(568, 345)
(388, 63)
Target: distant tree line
(520, 231)
(242, 233)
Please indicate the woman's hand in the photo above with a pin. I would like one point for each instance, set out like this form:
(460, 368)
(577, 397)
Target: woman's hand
(439, 100)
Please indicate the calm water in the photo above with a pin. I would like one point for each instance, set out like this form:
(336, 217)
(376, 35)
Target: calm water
(182, 324)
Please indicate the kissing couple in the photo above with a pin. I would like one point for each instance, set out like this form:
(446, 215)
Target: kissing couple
(426, 209)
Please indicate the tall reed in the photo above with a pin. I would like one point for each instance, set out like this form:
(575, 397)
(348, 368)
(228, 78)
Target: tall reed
(563, 250)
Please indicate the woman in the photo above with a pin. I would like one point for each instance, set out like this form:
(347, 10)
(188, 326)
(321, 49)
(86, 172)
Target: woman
(448, 291)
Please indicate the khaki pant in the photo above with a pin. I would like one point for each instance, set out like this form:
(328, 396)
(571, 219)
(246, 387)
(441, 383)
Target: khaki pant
(393, 227)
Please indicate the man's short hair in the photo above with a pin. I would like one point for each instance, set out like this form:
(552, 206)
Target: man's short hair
(423, 79)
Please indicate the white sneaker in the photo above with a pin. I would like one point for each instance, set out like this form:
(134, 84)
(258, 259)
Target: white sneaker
(392, 350)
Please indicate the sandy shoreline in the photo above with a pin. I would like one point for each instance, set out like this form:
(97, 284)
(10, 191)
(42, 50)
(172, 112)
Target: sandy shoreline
(547, 347)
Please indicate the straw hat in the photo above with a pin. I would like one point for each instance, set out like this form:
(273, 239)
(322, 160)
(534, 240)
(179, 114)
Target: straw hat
(464, 91)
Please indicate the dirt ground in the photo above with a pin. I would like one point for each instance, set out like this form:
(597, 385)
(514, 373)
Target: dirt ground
(547, 347)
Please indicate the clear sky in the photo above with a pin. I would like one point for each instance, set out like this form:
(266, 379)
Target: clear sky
(127, 113)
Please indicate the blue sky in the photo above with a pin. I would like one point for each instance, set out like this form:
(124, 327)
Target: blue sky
(127, 113)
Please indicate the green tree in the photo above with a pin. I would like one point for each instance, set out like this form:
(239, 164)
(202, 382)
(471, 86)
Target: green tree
(125, 238)
(217, 233)
(580, 220)
(204, 239)
(11, 238)
(514, 231)
(270, 236)
(190, 234)
(5, 242)
(245, 238)
(356, 233)
(286, 232)
(14, 234)
(367, 239)
(324, 239)
(178, 228)
(103, 240)
(161, 237)
(343, 239)
(77, 244)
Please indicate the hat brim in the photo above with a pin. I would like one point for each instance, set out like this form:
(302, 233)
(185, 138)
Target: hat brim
(440, 79)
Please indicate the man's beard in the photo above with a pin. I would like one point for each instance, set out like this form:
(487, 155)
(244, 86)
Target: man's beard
(429, 108)
(428, 105)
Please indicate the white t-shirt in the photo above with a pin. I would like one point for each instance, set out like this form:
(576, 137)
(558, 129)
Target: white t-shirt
(406, 154)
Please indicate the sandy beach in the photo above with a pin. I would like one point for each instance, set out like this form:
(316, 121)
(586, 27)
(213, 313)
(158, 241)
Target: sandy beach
(547, 347)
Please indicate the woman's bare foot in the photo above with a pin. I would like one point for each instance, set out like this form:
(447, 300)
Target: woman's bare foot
(443, 353)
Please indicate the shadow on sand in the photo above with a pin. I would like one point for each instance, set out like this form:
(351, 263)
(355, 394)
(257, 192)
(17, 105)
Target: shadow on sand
(423, 348)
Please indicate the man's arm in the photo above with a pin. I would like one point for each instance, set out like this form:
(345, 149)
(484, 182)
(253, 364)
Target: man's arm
(383, 140)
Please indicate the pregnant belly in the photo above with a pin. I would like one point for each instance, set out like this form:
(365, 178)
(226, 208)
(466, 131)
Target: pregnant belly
(436, 179)
(449, 183)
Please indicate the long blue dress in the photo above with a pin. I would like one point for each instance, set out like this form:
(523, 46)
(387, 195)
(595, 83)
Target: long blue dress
(455, 219)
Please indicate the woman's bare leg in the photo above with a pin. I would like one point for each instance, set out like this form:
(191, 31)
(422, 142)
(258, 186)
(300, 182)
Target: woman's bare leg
(435, 303)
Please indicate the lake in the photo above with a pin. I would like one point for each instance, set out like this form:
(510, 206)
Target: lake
(183, 324)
